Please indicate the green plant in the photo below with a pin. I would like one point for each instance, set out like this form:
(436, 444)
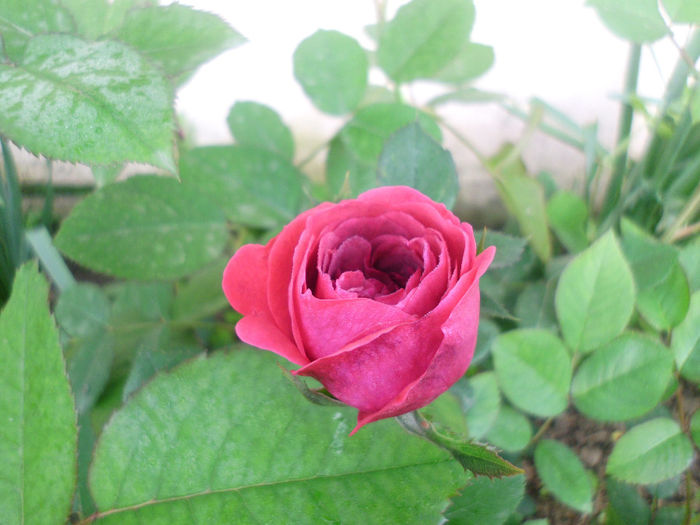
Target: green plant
(588, 358)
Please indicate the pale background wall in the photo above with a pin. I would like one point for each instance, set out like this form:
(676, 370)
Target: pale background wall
(557, 50)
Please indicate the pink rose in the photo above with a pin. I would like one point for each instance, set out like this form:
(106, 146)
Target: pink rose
(376, 297)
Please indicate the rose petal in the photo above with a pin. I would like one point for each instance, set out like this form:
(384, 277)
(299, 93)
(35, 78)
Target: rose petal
(328, 325)
(244, 280)
(449, 363)
(244, 286)
(263, 334)
(371, 374)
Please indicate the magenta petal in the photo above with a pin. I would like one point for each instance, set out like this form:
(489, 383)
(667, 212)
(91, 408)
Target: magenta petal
(244, 286)
(370, 375)
(263, 334)
(244, 280)
(449, 363)
(328, 325)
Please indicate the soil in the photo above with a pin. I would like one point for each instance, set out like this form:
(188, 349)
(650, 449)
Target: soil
(593, 442)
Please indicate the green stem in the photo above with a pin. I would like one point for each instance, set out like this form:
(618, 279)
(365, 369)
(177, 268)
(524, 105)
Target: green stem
(612, 194)
(13, 207)
(679, 77)
(47, 210)
(312, 155)
(546, 128)
(687, 213)
(540, 431)
(464, 140)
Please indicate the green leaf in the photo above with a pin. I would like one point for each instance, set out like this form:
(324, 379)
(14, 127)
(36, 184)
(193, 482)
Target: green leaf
(635, 20)
(83, 502)
(254, 124)
(595, 295)
(23, 19)
(480, 401)
(689, 257)
(202, 444)
(51, 261)
(89, 366)
(650, 452)
(136, 302)
(623, 379)
(669, 515)
(39, 436)
(472, 61)
(332, 68)
(534, 371)
(412, 158)
(201, 295)
(535, 306)
(650, 260)
(82, 309)
(625, 505)
(563, 475)
(664, 489)
(423, 37)
(509, 249)
(665, 304)
(683, 11)
(523, 196)
(488, 330)
(695, 427)
(446, 411)
(663, 293)
(481, 459)
(492, 307)
(568, 217)
(146, 227)
(354, 152)
(685, 342)
(486, 501)
(251, 185)
(90, 102)
(161, 350)
(95, 18)
(176, 37)
(511, 431)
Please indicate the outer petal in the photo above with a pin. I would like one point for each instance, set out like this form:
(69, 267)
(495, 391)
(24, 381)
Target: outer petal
(263, 334)
(448, 365)
(244, 286)
(370, 373)
(244, 280)
(280, 274)
(328, 325)
(451, 359)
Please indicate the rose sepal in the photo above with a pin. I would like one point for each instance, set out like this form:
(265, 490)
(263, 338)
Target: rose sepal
(479, 458)
(317, 397)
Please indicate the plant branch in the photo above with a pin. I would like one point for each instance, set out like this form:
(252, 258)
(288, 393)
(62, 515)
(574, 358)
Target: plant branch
(312, 155)
(540, 431)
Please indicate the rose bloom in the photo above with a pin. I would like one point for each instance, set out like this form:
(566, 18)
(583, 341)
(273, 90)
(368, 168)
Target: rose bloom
(375, 297)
